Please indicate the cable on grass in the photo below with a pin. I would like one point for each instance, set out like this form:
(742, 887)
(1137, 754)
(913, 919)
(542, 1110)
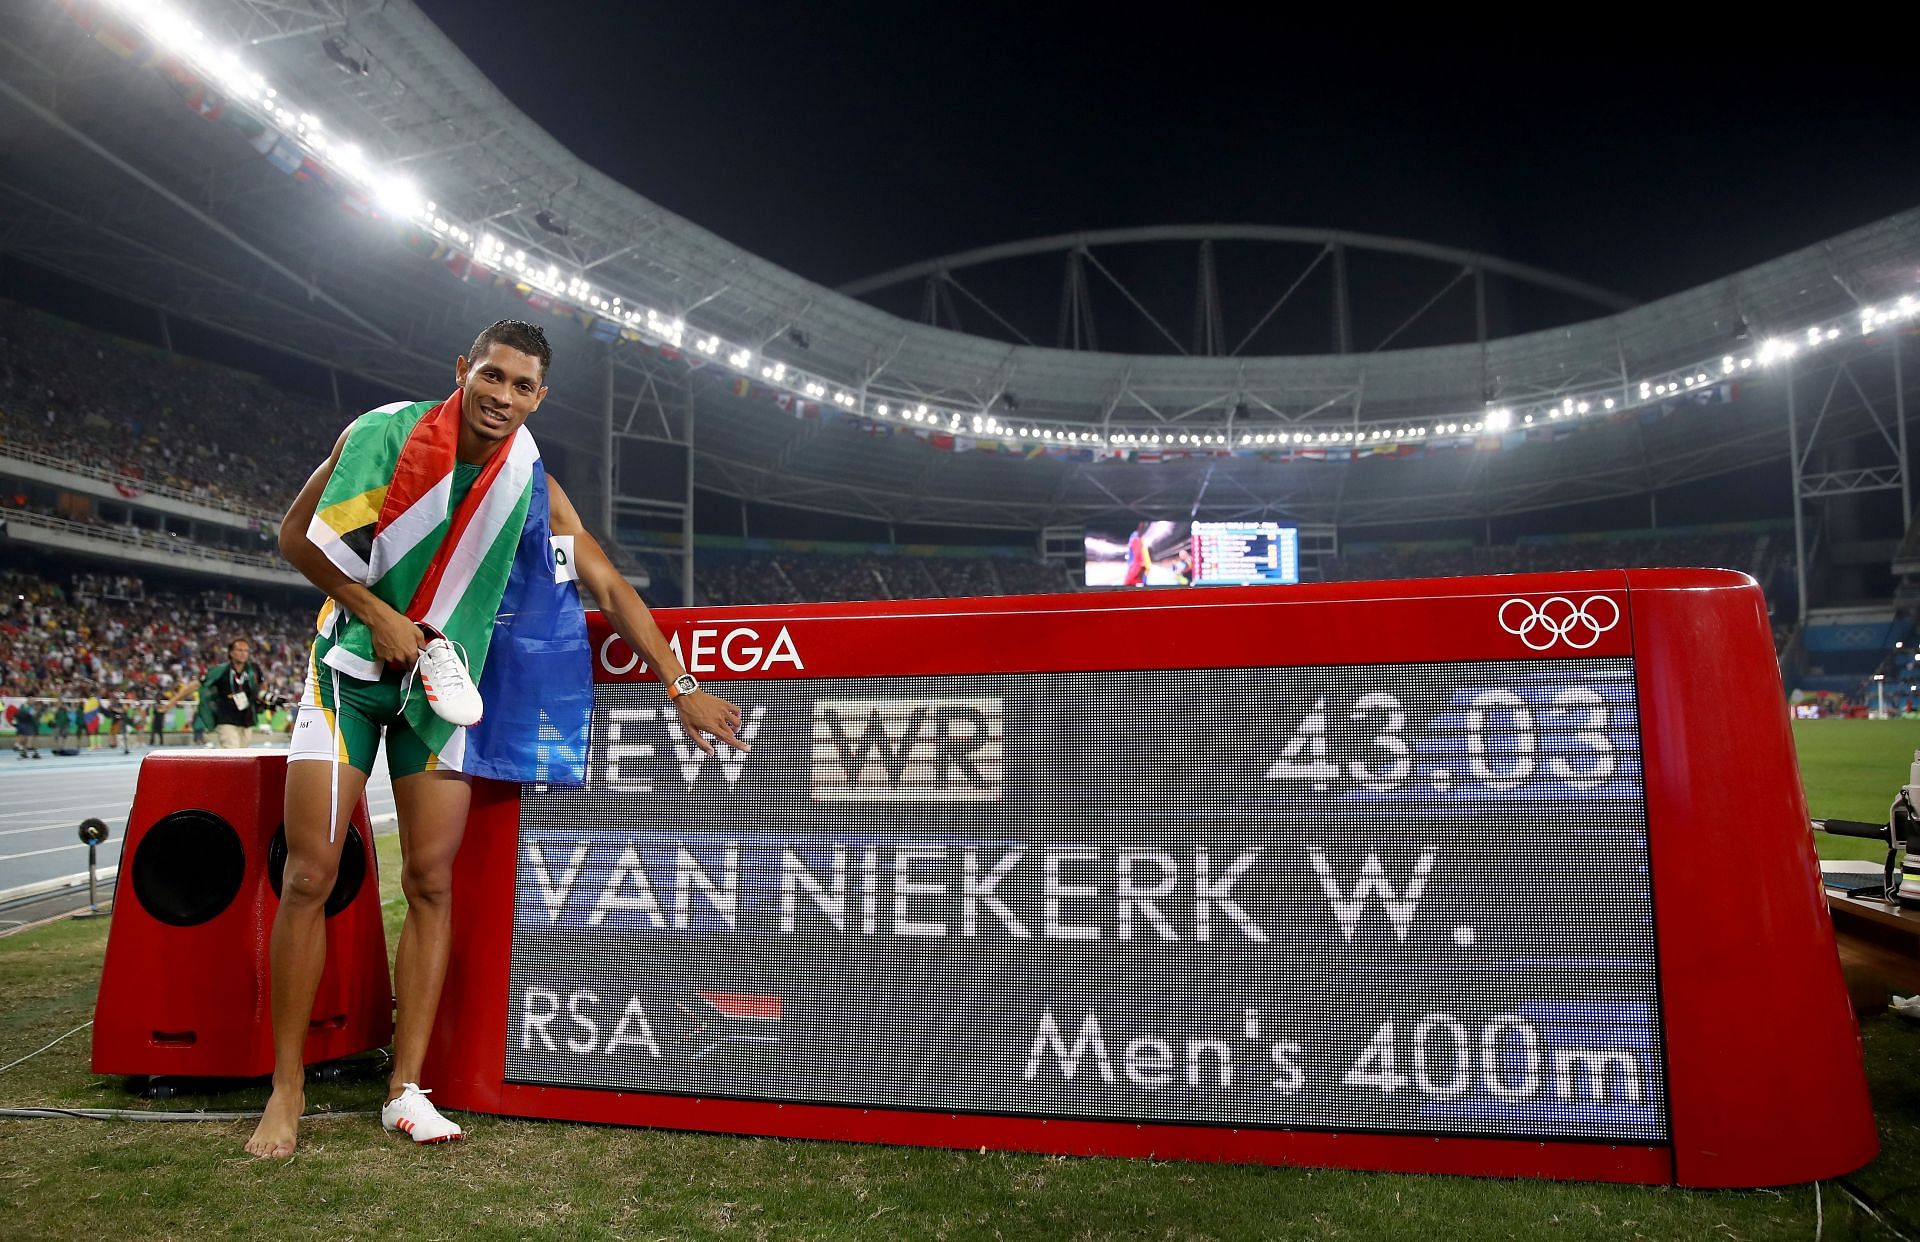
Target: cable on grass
(37, 1051)
(1879, 1211)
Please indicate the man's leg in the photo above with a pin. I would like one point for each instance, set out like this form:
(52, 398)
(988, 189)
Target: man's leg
(432, 809)
(298, 948)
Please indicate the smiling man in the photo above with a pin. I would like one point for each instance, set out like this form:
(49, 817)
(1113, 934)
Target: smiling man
(453, 628)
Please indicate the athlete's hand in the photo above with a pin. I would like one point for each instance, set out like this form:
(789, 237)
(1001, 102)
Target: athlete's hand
(702, 714)
(396, 639)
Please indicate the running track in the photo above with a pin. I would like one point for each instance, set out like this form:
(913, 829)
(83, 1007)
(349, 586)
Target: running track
(43, 801)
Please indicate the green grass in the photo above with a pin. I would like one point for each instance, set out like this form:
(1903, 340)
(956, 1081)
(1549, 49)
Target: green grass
(1851, 770)
(80, 1179)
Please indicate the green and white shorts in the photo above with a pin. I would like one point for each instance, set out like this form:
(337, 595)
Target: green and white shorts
(342, 717)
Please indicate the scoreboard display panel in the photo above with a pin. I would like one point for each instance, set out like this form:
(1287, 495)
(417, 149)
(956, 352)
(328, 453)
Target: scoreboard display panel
(1141, 879)
(950, 894)
(1245, 554)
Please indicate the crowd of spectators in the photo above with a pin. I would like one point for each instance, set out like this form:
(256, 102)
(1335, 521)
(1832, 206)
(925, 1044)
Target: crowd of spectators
(1745, 552)
(152, 417)
(93, 636)
(786, 578)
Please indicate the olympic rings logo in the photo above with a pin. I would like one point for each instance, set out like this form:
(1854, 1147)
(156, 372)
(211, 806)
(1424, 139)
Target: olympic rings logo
(1558, 619)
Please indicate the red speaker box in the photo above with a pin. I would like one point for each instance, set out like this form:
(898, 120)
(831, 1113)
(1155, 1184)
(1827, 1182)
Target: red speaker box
(185, 987)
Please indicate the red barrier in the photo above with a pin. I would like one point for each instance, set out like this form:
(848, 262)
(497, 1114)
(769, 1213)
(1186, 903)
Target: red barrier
(185, 988)
(1544, 966)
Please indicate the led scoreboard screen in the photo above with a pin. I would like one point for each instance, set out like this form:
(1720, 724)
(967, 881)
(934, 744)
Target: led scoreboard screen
(1245, 553)
(984, 894)
(1417, 875)
(1161, 553)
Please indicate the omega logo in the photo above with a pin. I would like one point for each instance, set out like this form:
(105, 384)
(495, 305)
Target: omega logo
(738, 650)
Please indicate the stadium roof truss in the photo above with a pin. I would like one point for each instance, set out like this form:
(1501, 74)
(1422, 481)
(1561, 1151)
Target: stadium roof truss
(107, 179)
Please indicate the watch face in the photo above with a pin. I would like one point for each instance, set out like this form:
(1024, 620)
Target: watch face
(685, 683)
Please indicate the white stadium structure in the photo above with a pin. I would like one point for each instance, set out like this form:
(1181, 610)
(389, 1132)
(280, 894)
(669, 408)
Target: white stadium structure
(202, 170)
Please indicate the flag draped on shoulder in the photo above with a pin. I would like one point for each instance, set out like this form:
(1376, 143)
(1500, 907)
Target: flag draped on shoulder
(387, 518)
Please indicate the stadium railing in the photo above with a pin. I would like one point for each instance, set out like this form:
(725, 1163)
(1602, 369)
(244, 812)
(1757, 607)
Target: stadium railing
(20, 454)
(174, 549)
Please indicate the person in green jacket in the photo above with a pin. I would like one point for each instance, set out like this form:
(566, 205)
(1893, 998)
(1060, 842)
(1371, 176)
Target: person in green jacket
(231, 697)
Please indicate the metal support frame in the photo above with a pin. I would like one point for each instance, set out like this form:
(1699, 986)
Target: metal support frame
(160, 222)
(1799, 520)
(686, 516)
(1209, 334)
(1846, 414)
(607, 454)
(660, 412)
(1342, 307)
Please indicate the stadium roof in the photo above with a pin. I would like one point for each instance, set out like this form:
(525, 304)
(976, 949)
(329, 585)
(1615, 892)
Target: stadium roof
(108, 179)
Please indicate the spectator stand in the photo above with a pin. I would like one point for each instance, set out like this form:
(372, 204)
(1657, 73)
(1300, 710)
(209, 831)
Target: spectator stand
(94, 645)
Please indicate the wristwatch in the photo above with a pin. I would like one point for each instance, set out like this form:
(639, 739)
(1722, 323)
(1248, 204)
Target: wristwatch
(682, 686)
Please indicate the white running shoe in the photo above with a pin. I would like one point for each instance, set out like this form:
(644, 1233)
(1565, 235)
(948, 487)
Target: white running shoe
(412, 1115)
(450, 691)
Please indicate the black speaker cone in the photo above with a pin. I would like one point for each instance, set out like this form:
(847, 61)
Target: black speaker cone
(346, 882)
(188, 868)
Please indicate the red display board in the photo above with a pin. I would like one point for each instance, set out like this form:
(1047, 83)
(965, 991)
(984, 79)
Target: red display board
(1430, 876)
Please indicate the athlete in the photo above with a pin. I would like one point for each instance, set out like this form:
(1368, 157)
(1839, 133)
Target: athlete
(441, 543)
(1139, 557)
(26, 729)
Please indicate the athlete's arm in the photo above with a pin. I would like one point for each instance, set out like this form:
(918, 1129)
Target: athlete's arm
(395, 638)
(181, 691)
(700, 713)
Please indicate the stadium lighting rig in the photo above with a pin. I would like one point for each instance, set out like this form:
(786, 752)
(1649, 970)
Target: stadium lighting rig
(402, 199)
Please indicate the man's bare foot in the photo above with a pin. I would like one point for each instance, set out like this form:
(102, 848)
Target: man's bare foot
(275, 1137)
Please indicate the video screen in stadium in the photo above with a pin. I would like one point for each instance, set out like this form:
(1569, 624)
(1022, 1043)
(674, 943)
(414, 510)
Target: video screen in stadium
(1403, 899)
(1167, 553)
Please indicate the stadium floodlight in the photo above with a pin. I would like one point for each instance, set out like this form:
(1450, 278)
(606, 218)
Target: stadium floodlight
(400, 197)
(171, 30)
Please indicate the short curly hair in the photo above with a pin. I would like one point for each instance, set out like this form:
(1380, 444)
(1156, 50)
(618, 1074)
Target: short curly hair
(528, 338)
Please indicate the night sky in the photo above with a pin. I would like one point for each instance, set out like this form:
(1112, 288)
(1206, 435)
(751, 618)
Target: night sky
(842, 140)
